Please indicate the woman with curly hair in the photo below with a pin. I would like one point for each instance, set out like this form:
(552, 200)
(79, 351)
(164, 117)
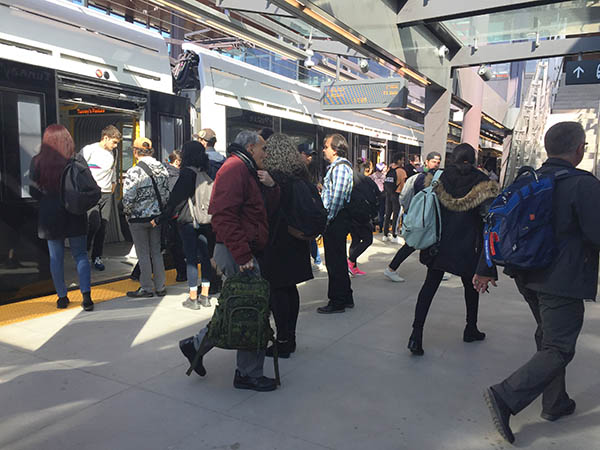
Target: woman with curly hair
(286, 260)
(55, 223)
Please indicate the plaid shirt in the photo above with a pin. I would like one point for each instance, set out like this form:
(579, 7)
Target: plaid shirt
(337, 187)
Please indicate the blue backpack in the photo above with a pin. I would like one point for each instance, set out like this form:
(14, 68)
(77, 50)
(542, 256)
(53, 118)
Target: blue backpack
(422, 225)
(518, 231)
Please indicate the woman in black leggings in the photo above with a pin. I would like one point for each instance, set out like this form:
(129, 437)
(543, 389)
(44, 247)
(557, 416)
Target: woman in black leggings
(465, 194)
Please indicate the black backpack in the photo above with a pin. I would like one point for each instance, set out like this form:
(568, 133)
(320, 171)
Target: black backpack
(78, 189)
(305, 215)
(185, 72)
(390, 184)
(364, 199)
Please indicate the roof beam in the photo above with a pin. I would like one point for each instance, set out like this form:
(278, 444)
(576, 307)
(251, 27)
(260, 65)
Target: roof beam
(257, 6)
(516, 51)
(412, 12)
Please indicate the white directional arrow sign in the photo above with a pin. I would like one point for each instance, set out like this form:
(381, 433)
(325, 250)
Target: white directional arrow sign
(586, 71)
(578, 71)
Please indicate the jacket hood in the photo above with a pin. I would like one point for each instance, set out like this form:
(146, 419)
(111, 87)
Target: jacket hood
(478, 194)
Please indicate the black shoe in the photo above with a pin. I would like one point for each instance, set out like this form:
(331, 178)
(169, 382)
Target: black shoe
(189, 351)
(330, 309)
(349, 305)
(500, 414)
(293, 344)
(180, 278)
(204, 301)
(87, 304)
(284, 349)
(161, 293)
(472, 334)
(260, 384)
(191, 304)
(415, 342)
(62, 302)
(570, 409)
(140, 293)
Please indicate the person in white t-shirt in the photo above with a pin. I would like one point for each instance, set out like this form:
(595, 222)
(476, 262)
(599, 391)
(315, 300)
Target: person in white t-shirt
(101, 161)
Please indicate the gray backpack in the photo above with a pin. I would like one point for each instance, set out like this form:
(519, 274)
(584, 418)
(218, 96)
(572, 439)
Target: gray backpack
(198, 204)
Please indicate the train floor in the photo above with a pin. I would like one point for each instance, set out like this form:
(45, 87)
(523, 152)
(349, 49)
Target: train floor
(115, 378)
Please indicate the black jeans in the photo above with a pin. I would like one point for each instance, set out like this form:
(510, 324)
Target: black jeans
(430, 287)
(98, 218)
(401, 255)
(339, 291)
(362, 238)
(285, 304)
(392, 206)
(175, 246)
(381, 215)
(559, 321)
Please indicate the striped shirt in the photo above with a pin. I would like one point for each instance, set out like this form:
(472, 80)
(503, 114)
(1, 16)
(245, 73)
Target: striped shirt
(337, 187)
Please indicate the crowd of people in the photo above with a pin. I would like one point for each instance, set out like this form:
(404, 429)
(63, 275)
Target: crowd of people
(247, 223)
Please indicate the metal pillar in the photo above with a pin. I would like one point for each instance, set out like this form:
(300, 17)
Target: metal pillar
(472, 116)
(437, 112)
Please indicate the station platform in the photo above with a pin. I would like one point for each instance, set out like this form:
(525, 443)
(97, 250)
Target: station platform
(115, 378)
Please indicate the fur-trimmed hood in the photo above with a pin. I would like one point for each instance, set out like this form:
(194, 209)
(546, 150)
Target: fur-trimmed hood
(476, 196)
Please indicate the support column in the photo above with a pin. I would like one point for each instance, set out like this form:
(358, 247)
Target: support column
(437, 112)
(473, 93)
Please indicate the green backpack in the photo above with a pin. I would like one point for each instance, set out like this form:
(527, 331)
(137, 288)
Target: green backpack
(241, 318)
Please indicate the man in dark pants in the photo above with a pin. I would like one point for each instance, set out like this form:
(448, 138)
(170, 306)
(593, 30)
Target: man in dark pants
(555, 294)
(337, 188)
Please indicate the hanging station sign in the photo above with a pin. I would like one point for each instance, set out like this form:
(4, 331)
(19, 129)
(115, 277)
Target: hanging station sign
(583, 72)
(390, 93)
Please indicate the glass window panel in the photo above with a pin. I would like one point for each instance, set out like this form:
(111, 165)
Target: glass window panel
(29, 118)
(171, 135)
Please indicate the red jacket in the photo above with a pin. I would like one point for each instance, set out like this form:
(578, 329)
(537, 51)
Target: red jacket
(239, 215)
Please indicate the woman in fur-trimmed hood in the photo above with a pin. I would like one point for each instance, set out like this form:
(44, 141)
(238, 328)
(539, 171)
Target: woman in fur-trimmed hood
(465, 194)
(286, 260)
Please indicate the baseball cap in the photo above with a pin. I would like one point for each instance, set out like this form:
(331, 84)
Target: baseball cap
(142, 143)
(307, 148)
(207, 134)
(380, 166)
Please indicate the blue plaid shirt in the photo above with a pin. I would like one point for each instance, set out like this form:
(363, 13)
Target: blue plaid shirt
(337, 187)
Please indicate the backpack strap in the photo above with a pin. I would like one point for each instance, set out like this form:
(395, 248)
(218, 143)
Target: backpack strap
(436, 177)
(142, 165)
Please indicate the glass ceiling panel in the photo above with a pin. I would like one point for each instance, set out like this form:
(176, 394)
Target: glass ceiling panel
(299, 26)
(567, 18)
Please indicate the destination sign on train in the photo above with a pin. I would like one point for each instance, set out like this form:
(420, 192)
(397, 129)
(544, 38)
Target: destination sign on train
(364, 94)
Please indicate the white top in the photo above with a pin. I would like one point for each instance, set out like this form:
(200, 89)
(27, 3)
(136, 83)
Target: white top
(102, 165)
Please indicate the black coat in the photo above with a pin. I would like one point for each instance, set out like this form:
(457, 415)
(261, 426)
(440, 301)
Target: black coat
(464, 201)
(574, 272)
(286, 260)
(54, 222)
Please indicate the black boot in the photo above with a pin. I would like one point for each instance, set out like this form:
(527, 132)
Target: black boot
(284, 349)
(189, 351)
(415, 342)
(472, 334)
(87, 304)
(62, 302)
(204, 301)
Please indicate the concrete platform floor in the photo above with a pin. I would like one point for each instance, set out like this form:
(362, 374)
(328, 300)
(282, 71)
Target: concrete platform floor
(114, 378)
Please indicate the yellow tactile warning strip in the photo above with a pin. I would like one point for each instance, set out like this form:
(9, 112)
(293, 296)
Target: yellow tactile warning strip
(43, 306)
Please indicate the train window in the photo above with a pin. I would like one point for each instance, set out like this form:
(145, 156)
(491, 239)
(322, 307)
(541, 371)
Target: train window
(29, 119)
(171, 135)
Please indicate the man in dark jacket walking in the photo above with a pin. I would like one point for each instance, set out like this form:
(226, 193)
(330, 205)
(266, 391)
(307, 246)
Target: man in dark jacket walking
(555, 294)
(242, 195)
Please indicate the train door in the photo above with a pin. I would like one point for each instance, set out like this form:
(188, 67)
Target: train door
(169, 125)
(27, 105)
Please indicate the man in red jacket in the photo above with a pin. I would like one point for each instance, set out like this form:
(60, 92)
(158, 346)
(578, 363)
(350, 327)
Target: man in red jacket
(242, 195)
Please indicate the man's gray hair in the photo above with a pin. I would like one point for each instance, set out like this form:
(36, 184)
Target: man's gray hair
(246, 138)
(564, 138)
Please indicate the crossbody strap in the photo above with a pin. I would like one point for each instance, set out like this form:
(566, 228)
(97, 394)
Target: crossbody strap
(142, 165)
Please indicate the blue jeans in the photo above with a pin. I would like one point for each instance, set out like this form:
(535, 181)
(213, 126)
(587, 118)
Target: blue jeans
(195, 247)
(56, 247)
(314, 251)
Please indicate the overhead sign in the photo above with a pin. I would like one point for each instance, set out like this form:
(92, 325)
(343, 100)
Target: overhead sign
(364, 94)
(583, 72)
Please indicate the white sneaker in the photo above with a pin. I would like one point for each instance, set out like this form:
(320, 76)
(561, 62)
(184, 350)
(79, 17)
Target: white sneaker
(316, 267)
(446, 276)
(392, 275)
(399, 240)
(385, 238)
